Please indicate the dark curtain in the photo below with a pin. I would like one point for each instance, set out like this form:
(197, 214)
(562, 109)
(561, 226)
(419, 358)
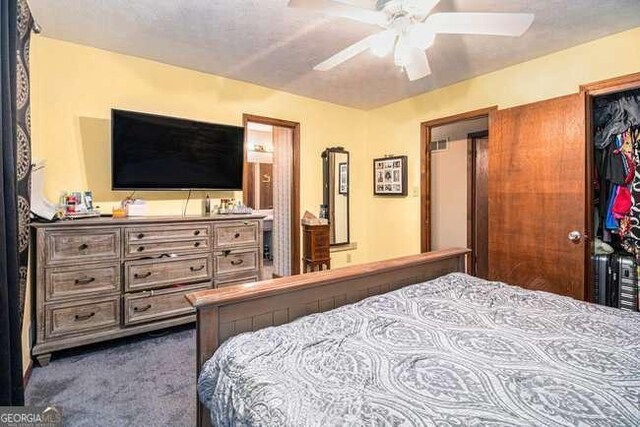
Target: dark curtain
(15, 165)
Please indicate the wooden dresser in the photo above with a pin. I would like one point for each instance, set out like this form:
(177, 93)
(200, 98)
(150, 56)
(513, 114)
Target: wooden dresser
(315, 242)
(99, 279)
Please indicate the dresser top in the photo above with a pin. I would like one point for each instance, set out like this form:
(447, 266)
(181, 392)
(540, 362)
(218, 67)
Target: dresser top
(102, 221)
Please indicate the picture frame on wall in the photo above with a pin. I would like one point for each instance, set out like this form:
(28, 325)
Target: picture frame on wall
(390, 176)
(343, 172)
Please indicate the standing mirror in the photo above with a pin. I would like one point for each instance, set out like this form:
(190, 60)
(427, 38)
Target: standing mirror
(335, 162)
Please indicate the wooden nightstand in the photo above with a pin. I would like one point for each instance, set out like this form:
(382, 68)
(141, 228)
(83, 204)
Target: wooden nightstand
(316, 255)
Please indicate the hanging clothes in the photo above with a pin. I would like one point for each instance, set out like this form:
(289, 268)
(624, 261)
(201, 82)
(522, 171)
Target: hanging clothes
(624, 200)
(619, 172)
(621, 203)
(618, 167)
(614, 114)
(616, 181)
(631, 242)
(611, 223)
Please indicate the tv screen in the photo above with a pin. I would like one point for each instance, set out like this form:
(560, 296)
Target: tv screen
(150, 152)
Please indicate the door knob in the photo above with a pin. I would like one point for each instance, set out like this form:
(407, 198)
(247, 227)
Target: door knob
(575, 236)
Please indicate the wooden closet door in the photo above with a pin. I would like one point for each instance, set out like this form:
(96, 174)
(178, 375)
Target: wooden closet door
(537, 186)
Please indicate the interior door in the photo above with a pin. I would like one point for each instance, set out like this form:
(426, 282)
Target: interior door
(537, 196)
(480, 226)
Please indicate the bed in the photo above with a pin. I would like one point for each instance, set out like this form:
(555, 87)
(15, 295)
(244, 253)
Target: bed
(412, 341)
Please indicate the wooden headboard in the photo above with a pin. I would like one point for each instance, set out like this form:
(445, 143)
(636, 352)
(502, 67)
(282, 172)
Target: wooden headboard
(225, 312)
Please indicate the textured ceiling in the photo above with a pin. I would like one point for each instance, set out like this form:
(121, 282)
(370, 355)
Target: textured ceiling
(269, 44)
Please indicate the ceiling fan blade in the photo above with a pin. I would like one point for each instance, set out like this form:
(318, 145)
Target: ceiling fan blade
(383, 43)
(417, 65)
(342, 10)
(346, 54)
(494, 24)
(365, 4)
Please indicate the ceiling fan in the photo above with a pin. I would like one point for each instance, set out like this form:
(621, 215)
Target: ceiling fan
(409, 29)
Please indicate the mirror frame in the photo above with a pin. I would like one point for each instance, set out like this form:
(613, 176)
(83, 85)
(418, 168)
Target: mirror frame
(326, 197)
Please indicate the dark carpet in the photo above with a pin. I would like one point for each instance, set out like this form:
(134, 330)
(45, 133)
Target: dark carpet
(147, 380)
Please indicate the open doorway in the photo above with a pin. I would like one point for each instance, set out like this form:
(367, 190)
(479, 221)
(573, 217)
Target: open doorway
(271, 187)
(454, 204)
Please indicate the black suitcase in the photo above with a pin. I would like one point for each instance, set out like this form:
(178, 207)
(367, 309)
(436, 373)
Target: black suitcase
(602, 273)
(616, 281)
(627, 282)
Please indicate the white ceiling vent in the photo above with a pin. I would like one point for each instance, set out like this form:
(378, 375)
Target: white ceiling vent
(439, 145)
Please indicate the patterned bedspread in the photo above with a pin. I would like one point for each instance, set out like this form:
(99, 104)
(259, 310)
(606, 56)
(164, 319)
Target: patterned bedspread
(453, 351)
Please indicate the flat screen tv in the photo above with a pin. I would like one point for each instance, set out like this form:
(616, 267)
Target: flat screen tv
(151, 152)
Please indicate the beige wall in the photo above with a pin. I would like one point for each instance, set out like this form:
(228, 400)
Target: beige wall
(449, 184)
(449, 196)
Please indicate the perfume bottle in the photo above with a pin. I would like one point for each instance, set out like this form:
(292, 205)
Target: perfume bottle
(206, 206)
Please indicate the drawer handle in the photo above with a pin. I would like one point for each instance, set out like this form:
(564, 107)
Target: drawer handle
(140, 248)
(237, 262)
(171, 255)
(235, 236)
(196, 244)
(140, 235)
(197, 268)
(196, 233)
(142, 309)
(81, 317)
(83, 246)
(226, 253)
(85, 281)
(142, 276)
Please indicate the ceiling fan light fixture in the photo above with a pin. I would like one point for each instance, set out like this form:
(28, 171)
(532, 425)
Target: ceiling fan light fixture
(420, 8)
(382, 44)
(401, 54)
(421, 37)
(410, 27)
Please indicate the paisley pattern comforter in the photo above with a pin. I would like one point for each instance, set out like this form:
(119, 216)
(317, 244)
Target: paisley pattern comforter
(453, 351)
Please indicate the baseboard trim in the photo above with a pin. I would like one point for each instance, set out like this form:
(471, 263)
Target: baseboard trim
(27, 374)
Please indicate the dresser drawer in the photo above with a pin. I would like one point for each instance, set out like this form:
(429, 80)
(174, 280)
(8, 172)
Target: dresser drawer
(82, 245)
(233, 234)
(235, 280)
(82, 316)
(153, 305)
(81, 281)
(135, 235)
(236, 261)
(155, 248)
(156, 273)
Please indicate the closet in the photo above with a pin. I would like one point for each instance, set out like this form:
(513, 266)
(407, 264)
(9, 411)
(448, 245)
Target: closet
(616, 198)
(544, 206)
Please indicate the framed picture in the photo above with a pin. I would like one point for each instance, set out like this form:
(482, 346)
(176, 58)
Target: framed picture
(390, 176)
(343, 187)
